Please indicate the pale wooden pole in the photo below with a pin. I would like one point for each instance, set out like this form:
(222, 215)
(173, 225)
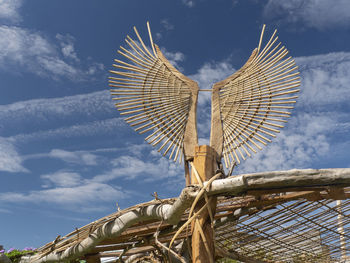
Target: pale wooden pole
(204, 163)
(341, 231)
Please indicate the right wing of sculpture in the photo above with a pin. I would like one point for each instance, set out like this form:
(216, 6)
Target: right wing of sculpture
(156, 97)
(251, 105)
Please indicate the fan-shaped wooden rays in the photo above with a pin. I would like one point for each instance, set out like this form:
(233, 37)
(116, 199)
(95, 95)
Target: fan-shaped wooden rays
(158, 98)
(251, 105)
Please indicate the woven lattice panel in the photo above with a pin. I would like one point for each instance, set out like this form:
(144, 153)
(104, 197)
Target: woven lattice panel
(301, 226)
(295, 231)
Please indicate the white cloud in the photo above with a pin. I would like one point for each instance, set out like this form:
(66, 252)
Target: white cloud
(203, 141)
(10, 160)
(86, 129)
(137, 150)
(188, 3)
(129, 167)
(319, 14)
(206, 76)
(43, 111)
(158, 35)
(85, 196)
(166, 24)
(26, 50)
(67, 46)
(304, 141)
(325, 79)
(77, 157)
(62, 179)
(209, 74)
(9, 10)
(174, 57)
(324, 97)
(6, 211)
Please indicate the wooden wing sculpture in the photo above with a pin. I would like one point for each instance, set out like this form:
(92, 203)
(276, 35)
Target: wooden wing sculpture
(248, 107)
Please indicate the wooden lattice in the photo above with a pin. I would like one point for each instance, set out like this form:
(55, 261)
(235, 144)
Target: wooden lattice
(294, 231)
(306, 226)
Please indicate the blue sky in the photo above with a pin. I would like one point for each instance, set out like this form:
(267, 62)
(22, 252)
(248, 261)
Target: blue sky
(67, 157)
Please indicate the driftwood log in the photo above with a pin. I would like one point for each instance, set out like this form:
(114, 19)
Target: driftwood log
(281, 181)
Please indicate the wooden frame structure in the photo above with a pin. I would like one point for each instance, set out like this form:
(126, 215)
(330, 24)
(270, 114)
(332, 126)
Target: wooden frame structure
(259, 218)
(283, 216)
(248, 107)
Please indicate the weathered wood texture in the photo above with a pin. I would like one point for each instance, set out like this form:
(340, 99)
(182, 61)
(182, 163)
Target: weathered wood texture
(205, 165)
(93, 258)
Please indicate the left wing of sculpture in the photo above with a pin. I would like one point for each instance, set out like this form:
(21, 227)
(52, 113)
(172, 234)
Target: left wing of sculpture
(250, 106)
(156, 98)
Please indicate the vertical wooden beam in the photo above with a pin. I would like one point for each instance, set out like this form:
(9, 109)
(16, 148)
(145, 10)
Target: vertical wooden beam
(216, 132)
(191, 136)
(341, 231)
(205, 163)
(187, 173)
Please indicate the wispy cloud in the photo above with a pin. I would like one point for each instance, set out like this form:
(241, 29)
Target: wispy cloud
(304, 141)
(10, 160)
(5, 211)
(85, 196)
(209, 74)
(130, 167)
(27, 50)
(166, 27)
(44, 112)
(174, 57)
(67, 46)
(9, 10)
(188, 3)
(69, 190)
(62, 179)
(206, 76)
(87, 129)
(77, 157)
(324, 96)
(166, 24)
(325, 79)
(319, 14)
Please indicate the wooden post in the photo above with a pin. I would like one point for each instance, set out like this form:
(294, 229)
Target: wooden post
(205, 163)
(341, 231)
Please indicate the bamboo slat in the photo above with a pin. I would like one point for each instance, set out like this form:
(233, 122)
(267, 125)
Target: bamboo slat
(255, 99)
(156, 97)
